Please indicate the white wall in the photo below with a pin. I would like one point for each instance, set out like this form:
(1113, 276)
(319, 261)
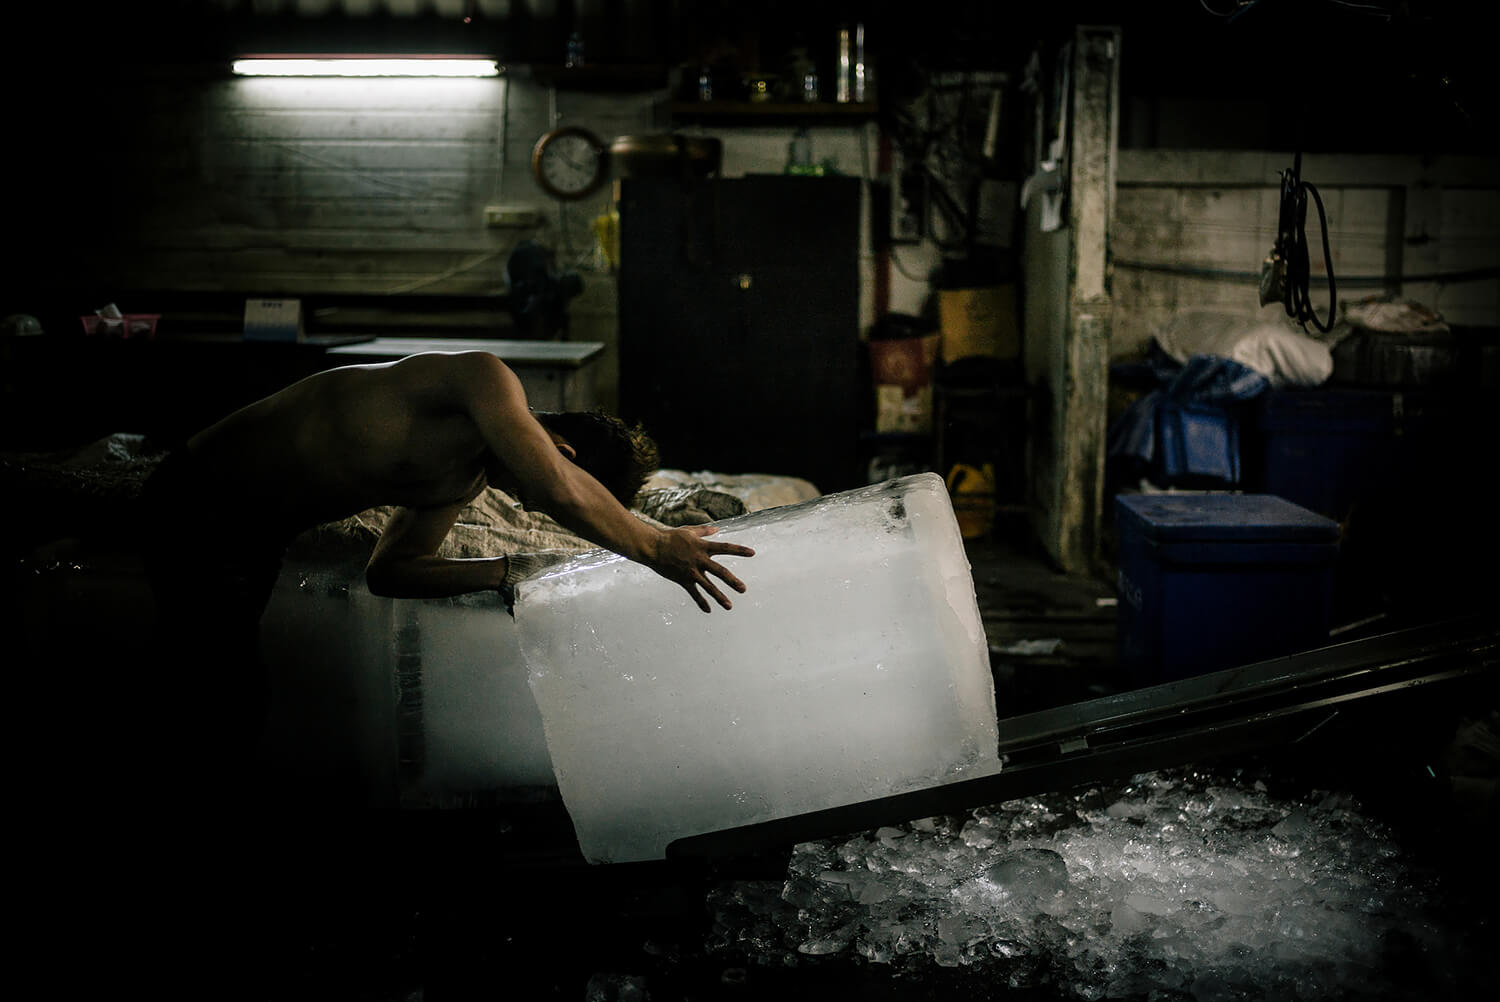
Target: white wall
(1191, 228)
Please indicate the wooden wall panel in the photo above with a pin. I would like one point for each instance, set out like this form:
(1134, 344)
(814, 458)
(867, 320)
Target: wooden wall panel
(1471, 241)
(1191, 230)
(314, 185)
(326, 186)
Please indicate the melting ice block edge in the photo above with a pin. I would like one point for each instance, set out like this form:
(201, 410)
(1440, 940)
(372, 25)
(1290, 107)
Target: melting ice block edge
(854, 667)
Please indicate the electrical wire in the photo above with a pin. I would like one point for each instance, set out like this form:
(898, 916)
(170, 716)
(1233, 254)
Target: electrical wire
(1291, 246)
(1219, 13)
(896, 261)
(1362, 281)
(933, 146)
(1377, 10)
(466, 265)
(504, 157)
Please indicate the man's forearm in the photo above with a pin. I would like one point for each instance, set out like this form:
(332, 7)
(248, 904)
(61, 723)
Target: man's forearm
(586, 508)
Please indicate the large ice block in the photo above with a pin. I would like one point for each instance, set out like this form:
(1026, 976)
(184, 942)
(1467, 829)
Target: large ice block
(417, 702)
(854, 667)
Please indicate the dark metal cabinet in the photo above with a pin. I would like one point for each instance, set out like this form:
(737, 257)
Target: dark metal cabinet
(739, 323)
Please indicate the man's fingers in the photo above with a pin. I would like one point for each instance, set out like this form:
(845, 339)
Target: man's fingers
(702, 602)
(731, 549)
(728, 578)
(713, 590)
(699, 566)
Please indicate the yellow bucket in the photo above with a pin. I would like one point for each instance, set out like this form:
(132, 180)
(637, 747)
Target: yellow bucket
(607, 232)
(972, 490)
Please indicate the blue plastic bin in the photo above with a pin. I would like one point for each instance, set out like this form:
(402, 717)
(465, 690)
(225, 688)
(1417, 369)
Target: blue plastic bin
(1331, 449)
(1211, 581)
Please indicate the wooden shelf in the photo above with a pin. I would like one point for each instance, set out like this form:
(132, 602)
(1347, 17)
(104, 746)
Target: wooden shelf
(601, 78)
(811, 111)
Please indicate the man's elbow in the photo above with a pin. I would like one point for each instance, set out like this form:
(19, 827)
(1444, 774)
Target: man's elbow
(382, 581)
(561, 500)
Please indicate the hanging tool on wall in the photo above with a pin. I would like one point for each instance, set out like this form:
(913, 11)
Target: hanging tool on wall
(1286, 273)
(539, 292)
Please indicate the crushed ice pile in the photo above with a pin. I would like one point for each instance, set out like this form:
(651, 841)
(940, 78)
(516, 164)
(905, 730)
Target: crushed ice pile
(1180, 884)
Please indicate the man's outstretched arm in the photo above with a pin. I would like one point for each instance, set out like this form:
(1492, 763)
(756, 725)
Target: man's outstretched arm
(495, 400)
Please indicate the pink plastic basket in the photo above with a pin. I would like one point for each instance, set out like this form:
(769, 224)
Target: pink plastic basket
(129, 325)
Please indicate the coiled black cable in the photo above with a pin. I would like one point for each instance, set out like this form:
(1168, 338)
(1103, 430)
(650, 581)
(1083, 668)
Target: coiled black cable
(1291, 245)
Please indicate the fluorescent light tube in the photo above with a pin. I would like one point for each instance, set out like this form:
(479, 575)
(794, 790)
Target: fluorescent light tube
(364, 66)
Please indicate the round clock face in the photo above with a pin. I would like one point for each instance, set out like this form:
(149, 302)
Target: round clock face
(569, 162)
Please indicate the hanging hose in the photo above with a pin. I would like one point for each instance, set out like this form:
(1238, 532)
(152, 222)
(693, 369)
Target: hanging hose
(1293, 266)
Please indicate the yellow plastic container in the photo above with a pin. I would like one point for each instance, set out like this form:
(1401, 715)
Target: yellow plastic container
(973, 492)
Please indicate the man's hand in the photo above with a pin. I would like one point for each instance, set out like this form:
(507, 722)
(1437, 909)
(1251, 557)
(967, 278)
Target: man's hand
(686, 557)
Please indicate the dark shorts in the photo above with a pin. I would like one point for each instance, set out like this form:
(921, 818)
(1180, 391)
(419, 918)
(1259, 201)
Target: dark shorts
(202, 552)
(212, 567)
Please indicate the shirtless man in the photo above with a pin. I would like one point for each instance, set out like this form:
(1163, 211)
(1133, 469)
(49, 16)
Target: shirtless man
(426, 435)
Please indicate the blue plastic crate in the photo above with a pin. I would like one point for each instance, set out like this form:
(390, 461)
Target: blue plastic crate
(1331, 449)
(1211, 581)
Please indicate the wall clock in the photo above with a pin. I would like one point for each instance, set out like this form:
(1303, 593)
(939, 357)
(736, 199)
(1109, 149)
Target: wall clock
(569, 162)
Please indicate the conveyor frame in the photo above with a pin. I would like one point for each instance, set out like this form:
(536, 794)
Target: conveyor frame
(1233, 711)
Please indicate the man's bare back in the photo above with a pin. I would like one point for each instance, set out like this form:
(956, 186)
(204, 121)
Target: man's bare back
(427, 434)
(351, 438)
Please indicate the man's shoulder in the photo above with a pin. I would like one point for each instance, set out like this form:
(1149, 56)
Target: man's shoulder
(474, 362)
(484, 366)
(463, 373)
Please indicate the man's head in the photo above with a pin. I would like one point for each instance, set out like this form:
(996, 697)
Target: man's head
(620, 457)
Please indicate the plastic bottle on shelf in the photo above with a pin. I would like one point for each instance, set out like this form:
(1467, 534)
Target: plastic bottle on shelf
(841, 85)
(859, 63)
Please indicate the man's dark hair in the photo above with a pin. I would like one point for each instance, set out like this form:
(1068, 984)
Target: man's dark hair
(617, 455)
